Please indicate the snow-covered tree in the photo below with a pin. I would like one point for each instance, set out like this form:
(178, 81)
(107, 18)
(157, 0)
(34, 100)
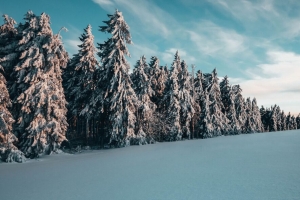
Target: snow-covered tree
(158, 78)
(258, 126)
(240, 109)
(205, 122)
(171, 103)
(80, 83)
(8, 151)
(289, 122)
(227, 97)
(8, 34)
(186, 100)
(118, 97)
(298, 121)
(143, 90)
(249, 123)
(39, 96)
(219, 120)
(198, 94)
(283, 121)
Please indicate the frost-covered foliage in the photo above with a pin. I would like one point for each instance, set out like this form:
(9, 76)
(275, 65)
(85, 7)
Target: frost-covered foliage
(157, 77)
(38, 93)
(298, 121)
(143, 90)
(239, 105)
(227, 97)
(118, 97)
(79, 82)
(258, 126)
(8, 42)
(249, 123)
(171, 103)
(8, 151)
(218, 119)
(205, 123)
(186, 100)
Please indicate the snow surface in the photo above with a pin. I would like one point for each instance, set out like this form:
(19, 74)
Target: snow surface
(254, 166)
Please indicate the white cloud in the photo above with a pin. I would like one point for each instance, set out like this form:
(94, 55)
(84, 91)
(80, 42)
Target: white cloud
(212, 39)
(150, 16)
(168, 56)
(276, 82)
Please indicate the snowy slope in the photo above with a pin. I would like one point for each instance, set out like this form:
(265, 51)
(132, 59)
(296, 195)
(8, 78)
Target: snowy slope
(255, 166)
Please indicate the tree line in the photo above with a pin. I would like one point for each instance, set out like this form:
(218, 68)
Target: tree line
(47, 98)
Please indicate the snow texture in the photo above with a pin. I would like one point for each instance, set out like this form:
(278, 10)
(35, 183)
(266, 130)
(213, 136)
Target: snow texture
(251, 166)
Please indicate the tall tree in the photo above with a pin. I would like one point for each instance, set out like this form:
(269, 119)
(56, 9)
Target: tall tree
(80, 83)
(219, 120)
(239, 106)
(172, 103)
(118, 98)
(8, 34)
(186, 100)
(39, 96)
(8, 151)
(146, 108)
(258, 126)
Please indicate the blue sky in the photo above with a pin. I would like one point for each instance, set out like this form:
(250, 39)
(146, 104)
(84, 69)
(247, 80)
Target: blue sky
(256, 42)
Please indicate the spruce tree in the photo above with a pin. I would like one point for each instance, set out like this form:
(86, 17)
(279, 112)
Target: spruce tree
(258, 126)
(146, 108)
(239, 105)
(249, 123)
(157, 78)
(80, 83)
(8, 34)
(171, 103)
(39, 96)
(283, 121)
(198, 95)
(186, 100)
(117, 98)
(8, 151)
(289, 122)
(219, 120)
(206, 127)
(298, 121)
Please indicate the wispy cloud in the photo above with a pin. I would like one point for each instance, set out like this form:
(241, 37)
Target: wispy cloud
(276, 82)
(212, 40)
(150, 17)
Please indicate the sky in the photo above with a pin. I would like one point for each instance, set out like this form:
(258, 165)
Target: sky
(256, 43)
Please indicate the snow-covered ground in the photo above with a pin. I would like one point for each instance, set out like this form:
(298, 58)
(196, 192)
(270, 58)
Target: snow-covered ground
(255, 166)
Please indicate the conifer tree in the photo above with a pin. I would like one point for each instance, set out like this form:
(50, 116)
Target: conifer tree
(117, 98)
(146, 108)
(240, 109)
(298, 121)
(258, 126)
(249, 123)
(39, 96)
(187, 103)
(157, 78)
(8, 151)
(289, 122)
(219, 120)
(225, 94)
(8, 34)
(198, 95)
(80, 83)
(283, 121)
(205, 122)
(172, 103)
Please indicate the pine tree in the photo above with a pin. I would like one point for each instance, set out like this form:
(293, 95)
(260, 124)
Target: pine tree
(289, 122)
(227, 97)
(80, 83)
(8, 34)
(258, 126)
(219, 120)
(283, 121)
(146, 108)
(8, 151)
(240, 109)
(298, 121)
(198, 95)
(117, 96)
(186, 100)
(157, 78)
(273, 119)
(172, 103)
(38, 91)
(205, 122)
